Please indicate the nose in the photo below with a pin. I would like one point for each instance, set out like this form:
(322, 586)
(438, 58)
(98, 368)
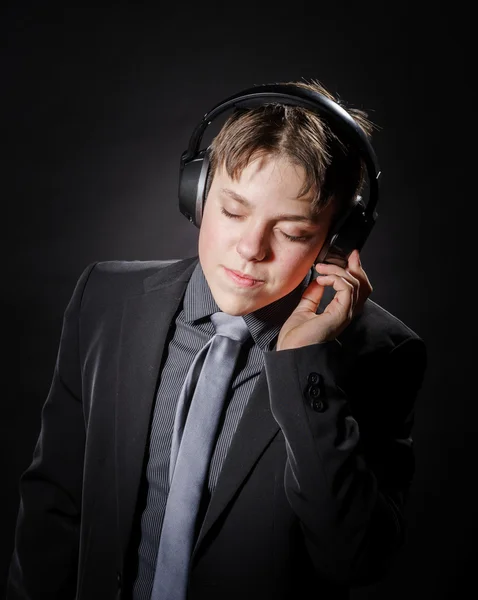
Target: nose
(253, 244)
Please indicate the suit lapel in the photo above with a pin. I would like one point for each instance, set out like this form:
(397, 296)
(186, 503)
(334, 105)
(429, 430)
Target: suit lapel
(144, 328)
(256, 429)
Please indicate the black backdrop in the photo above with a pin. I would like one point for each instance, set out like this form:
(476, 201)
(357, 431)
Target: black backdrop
(97, 106)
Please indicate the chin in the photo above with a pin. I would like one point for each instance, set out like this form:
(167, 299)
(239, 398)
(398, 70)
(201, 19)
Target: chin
(232, 304)
(232, 307)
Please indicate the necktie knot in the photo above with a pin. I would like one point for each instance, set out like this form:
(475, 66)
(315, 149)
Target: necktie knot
(230, 326)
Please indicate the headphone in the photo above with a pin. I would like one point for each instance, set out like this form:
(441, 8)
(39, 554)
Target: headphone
(353, 228)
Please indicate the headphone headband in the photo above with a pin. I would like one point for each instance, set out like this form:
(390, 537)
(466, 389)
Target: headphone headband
(293, 95)
(353, 228)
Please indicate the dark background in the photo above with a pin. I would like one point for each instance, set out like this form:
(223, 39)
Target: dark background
(97, 107)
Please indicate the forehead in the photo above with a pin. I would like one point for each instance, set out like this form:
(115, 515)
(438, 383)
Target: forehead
(275, 176)
(270, 168)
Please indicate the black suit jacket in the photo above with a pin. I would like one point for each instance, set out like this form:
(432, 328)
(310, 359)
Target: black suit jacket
(309, 500)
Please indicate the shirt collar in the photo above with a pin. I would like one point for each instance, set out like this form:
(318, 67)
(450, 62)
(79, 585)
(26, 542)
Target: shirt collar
(264, 323)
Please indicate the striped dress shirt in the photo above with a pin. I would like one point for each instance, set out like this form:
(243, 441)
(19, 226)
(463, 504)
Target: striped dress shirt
(189, 332)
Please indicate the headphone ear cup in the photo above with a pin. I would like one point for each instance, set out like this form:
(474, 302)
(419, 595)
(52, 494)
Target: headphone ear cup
(193, 178)
(350, 232)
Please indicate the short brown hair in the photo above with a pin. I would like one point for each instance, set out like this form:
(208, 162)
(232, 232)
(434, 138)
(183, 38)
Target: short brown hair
(333, 168)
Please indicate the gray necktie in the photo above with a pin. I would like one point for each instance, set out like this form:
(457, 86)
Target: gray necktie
(194, 436)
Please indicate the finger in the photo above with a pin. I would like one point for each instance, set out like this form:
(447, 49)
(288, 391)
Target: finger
(355, 267)
(311, 297)
(354, 261)
(331, 269)
(344, 299)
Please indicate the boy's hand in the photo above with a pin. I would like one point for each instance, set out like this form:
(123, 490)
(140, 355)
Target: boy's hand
(352, 287)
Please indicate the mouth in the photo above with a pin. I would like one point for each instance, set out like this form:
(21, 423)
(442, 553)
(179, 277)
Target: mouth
(243, 275)
(242, 279)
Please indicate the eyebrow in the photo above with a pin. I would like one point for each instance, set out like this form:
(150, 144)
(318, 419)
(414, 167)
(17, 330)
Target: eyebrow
(282, 216)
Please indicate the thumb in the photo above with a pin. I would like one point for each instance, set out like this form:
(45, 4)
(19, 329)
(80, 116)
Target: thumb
(354, 261)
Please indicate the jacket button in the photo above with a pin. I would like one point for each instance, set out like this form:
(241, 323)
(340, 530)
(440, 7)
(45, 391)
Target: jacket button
(313, 395)
(318, 405)
(313, 378)
(119, 579)
(314, 391)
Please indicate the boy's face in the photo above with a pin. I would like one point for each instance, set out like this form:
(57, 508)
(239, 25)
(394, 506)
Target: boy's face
(255, 244)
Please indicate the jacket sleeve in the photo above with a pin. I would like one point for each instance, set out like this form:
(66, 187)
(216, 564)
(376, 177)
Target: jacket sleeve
(350, 457)
(45, 556)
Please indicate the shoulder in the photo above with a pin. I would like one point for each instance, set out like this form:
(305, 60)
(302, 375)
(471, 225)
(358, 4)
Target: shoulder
(114, 281)
(378, 329)
(377, 341)
(375, 336)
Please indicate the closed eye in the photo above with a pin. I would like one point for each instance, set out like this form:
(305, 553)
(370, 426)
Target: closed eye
(296, 238)
(292, 238)
(228, 214)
